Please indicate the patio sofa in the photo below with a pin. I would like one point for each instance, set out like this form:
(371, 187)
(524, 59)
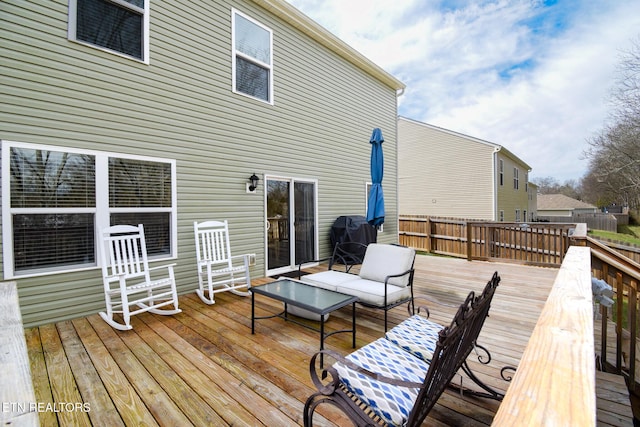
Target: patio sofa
(385, 279)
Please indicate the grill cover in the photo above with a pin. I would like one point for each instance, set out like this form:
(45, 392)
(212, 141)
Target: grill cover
(352, 228)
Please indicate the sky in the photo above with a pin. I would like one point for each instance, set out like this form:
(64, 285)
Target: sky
(533, 76)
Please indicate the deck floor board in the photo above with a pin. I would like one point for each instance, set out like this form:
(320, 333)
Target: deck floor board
(204, 367)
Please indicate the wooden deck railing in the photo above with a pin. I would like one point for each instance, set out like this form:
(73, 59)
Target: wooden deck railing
(554, 384)
(548, 244)
(543, 244)
(623, 274)
(17, 396)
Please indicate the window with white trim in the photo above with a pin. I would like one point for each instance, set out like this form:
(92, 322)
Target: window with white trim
(120, 26)
(517, 215)
(516, 179)
(252, 63)
(501, 162)
(501, 218)
(58, 199)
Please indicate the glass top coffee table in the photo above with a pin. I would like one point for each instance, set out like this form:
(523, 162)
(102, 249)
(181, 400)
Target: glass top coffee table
(316, 300)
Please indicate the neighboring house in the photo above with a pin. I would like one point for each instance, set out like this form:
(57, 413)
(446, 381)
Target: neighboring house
(559, 205)
(158, 112)
(448, 174)
(532, 215)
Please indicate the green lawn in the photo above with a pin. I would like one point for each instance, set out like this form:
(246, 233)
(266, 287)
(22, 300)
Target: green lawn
(626, 234)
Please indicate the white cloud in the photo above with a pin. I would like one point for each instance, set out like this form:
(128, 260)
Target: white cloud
(531, 77)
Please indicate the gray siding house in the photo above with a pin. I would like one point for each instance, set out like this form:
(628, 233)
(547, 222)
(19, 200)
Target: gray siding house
(559, 205)
(158, 112)
(449, 174)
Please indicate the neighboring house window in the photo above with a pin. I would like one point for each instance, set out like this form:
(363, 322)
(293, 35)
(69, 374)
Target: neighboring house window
(526, 182)
(501, 216)
(524, 215)
(252, 58)
(58, 200)
(516, 179)
(517, 215)
(120, 26)
(501, 172)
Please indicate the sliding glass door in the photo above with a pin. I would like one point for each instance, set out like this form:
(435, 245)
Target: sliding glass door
(290, 223)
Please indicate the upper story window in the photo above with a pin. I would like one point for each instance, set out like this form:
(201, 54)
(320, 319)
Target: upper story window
(516, 179)
(252, 58)
(120, 26)
(58, 200)
(501, 172)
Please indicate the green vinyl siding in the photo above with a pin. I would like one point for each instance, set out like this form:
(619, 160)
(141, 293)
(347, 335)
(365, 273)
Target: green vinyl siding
(509, 198)
(181, 106)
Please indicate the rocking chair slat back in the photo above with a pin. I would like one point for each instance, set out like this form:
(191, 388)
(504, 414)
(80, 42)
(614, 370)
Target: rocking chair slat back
(127, 254)
(213, 245)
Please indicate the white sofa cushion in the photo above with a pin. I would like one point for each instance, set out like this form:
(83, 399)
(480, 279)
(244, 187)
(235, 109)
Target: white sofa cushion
(382, 260)
(371, 292)
(329, 279)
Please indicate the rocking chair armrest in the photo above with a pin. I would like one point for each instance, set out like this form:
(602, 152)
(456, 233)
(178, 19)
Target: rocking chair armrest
(334, 381)
(158, 267)
(240, 256)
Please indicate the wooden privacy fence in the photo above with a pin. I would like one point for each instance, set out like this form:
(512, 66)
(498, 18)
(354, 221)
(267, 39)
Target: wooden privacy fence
(528, 243)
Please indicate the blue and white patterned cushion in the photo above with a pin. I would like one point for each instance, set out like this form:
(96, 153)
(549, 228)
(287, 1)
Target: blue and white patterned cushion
(417, 335)
(392, 403)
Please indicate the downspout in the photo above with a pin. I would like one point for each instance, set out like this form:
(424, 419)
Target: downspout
(495, 183)
(398, 95)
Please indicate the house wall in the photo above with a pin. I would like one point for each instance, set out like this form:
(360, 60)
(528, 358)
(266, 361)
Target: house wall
(510, 198)
(442, 173)
(181, 106)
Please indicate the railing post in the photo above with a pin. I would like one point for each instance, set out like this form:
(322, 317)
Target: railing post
(469, 241)
(632, 308)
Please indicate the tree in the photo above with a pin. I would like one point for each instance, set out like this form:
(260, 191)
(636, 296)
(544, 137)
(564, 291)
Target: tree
(549, 185)
(614, 153)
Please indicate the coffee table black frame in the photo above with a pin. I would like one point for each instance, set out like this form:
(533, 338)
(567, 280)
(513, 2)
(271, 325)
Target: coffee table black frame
(316, 300)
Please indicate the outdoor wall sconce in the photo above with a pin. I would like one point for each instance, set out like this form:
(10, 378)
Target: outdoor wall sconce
(253, 183)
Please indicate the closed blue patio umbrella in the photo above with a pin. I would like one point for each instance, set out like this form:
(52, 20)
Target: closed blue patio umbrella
(375, 206)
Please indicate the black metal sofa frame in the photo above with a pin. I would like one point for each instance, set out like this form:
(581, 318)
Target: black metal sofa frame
(349, 254)
(454, 344)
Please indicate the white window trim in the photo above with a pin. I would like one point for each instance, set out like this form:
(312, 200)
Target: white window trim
(101, 211)
(516, 178)
(501, 172)
(234, 53)
(71, 30)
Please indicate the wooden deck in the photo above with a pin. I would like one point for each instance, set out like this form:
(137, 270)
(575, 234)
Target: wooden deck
(203, 366)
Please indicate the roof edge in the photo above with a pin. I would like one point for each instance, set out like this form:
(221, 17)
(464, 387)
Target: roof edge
(496, 147)
(302, 22)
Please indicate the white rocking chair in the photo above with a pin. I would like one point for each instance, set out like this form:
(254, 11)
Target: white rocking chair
(127, 278)
(218, 271)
